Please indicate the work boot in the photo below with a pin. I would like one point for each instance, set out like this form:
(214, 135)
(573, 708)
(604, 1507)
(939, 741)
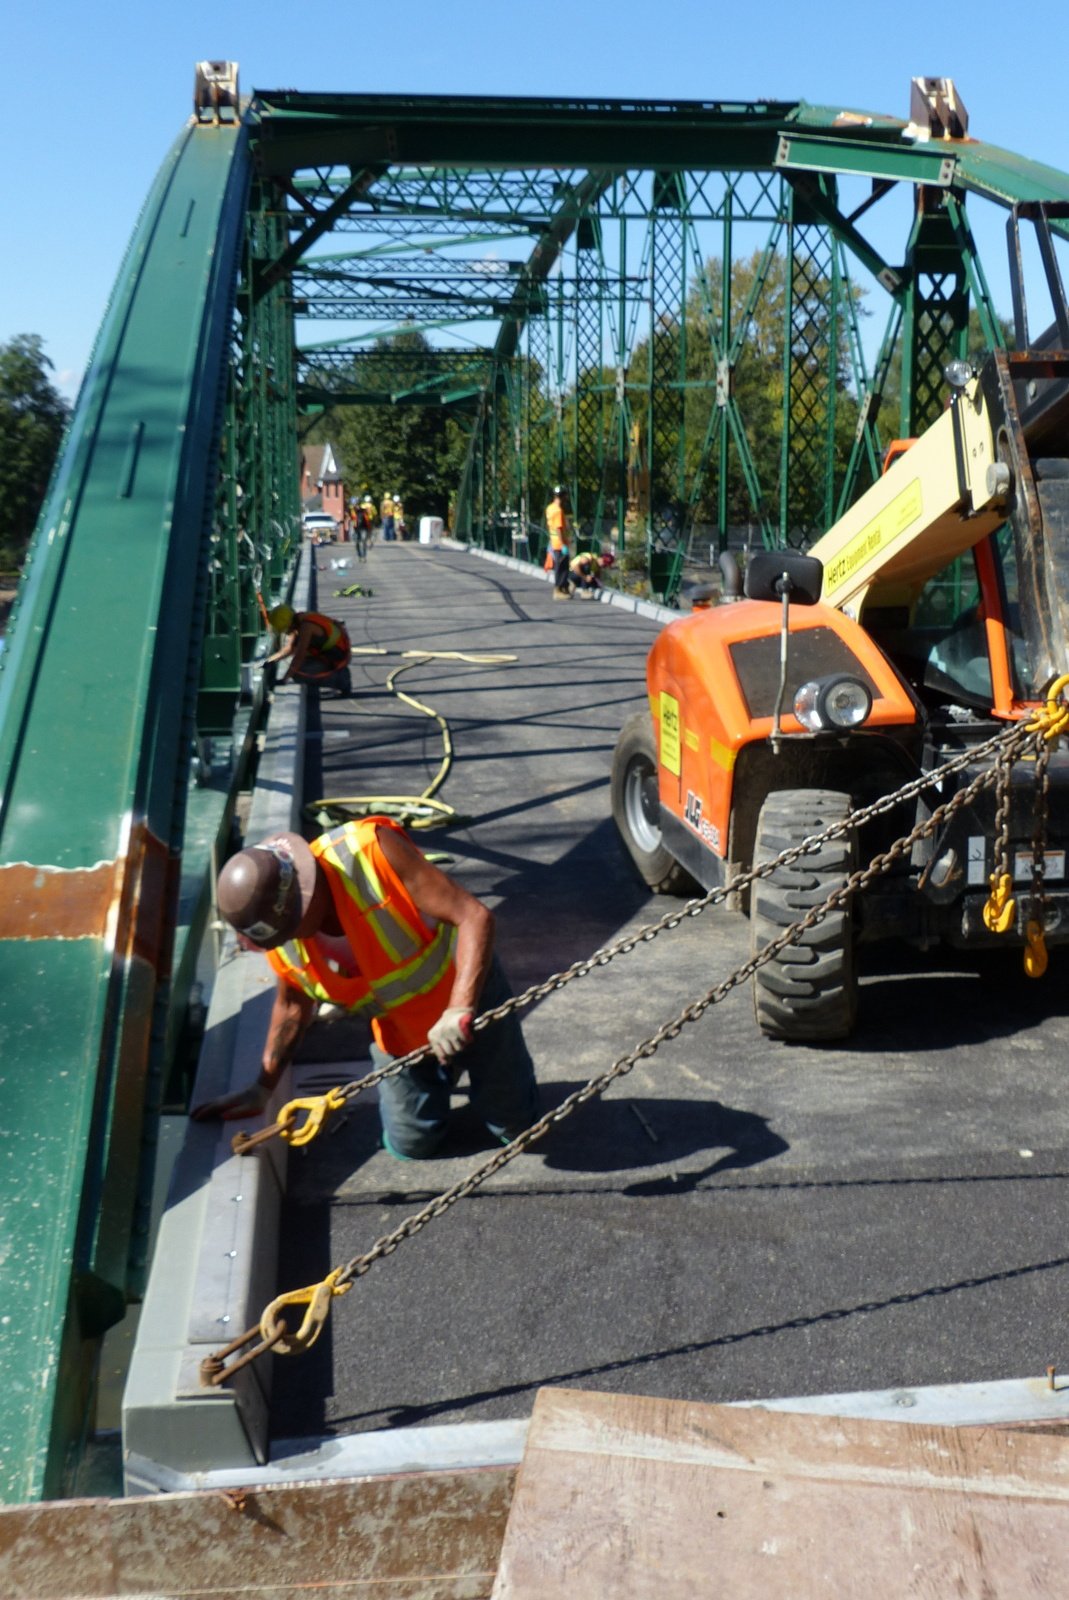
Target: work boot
(561, 594)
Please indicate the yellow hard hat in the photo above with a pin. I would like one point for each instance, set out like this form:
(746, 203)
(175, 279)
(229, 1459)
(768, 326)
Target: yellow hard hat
(281, 618)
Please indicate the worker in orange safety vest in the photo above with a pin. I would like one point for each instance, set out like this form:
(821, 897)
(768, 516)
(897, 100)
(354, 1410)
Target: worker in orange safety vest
(317, 647)
(358, 918)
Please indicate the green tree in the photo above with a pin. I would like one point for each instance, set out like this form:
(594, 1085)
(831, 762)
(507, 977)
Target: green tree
(757, 389)
(33, 415)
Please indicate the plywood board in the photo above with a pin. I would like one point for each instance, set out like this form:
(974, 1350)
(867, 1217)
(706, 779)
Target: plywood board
(642, 1499)
(419, 1536)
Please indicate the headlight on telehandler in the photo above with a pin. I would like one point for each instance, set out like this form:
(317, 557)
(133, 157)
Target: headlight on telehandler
(828, 703)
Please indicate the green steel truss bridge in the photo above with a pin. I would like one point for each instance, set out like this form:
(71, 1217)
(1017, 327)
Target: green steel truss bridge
(557, 254)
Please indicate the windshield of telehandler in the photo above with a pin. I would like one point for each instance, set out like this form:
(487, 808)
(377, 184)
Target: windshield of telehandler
(948, 621)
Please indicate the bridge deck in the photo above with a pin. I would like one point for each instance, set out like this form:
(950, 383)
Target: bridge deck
(737, 1218)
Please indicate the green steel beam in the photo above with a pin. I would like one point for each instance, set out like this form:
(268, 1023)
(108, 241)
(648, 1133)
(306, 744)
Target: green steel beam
(298, 130)
(932, 163)
(101, 657)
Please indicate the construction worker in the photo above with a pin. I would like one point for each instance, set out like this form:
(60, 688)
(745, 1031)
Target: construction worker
(360, 919)
(557, 524)
(389, 530)
(317, 647)
(584, 569)
(398, 517)
(367, 508)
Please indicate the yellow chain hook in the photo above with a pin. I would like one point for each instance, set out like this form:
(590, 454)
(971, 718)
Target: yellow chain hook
(1035, 954)
(1001, 907)
(319, 1107)
(317, 1298)
(1054, 717)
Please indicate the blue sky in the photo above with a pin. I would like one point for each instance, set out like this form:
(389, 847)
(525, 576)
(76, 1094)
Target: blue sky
(95, 94)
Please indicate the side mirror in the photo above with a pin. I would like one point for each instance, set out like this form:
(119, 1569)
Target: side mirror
(784, 574)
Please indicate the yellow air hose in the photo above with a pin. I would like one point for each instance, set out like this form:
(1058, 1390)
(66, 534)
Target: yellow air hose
(412, 811)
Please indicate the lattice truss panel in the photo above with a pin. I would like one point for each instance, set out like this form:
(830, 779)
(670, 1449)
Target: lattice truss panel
(584, 325)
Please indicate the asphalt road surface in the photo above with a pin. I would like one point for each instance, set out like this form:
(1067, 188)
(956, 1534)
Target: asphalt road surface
(736, 1218)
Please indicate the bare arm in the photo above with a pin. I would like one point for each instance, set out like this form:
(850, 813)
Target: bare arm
(284, 650)
(290, 1015)
(442, 900)
(299, 645)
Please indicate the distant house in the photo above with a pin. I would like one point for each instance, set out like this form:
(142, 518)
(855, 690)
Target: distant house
(322, 484)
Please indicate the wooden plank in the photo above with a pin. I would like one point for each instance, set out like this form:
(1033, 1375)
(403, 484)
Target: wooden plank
(642, 1499)
(419, 1536)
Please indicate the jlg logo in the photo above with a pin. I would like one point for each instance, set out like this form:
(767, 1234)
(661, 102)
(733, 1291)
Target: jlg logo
(692, 814)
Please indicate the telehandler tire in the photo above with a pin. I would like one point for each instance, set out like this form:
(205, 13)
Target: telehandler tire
(635, 808)
(808, 992)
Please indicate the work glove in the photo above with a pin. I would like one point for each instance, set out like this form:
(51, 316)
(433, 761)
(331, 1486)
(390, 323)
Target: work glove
(232, 1107)
(451, 1032)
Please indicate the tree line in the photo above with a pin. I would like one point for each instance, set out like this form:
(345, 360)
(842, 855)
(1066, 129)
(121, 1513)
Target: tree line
(419, 451)
(33, 417)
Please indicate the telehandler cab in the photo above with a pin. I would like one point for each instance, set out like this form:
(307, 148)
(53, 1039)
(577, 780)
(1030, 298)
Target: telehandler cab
(933, 613)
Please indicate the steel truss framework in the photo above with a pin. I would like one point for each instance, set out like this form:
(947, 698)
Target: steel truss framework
(605, 296)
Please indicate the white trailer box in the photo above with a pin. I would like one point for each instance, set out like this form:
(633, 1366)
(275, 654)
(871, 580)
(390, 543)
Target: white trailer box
(430, 530)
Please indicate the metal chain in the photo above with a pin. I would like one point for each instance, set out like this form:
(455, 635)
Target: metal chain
(1005, 746)
(1008, 743)
(215, 1371)
(1001, 859)
(1037, 904)
(860, 879)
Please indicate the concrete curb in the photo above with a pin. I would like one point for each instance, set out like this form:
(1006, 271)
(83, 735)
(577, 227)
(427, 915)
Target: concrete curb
(211, 1276)
(610, 597)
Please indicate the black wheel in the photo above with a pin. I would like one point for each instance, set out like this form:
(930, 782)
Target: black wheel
(636, 808)
(808, 992)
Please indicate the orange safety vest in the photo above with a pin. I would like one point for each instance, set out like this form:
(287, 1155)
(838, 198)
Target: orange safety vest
(336, 636)
(406, 969)
(557, 523)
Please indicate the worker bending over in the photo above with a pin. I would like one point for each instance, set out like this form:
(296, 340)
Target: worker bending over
(316, 647)
(360, 919)
(584, 569)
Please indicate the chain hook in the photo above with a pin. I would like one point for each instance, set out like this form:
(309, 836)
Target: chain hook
(319, 1107)
(317, 1297)
(1035, 953)
(1001, 907)
(1053, 719)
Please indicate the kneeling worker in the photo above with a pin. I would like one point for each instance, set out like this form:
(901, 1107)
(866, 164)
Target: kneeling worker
(584, 570)
(316, 647)
(359, 918)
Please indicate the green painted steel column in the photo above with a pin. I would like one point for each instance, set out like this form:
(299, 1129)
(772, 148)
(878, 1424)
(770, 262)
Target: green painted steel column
(92, 777)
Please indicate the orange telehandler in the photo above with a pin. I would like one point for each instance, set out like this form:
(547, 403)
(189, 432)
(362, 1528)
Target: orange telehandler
(933, 612)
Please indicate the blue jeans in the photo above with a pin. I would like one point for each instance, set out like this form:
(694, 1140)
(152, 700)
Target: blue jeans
(414, 1104)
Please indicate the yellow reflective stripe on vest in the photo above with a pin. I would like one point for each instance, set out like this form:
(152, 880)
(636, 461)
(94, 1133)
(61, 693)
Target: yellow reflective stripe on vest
(330, 627)
(386, 994)
(420, 975)
(361, 883)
